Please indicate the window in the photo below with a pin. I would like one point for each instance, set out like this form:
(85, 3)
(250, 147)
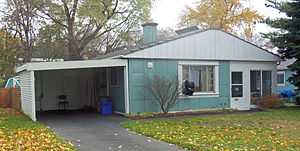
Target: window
(280, 79)
(237, 84)
(261, 85)
(115, 77)
(203, 77)
(266, 83)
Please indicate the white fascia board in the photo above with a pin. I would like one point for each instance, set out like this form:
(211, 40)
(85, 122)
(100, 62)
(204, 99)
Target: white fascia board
(201, 59)
(73, 64)
(21, 68)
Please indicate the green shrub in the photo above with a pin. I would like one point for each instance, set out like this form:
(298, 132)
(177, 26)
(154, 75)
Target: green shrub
(2, 83)
(297, 100)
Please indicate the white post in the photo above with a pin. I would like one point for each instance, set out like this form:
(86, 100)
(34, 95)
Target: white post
(32, 79)
(126, 89)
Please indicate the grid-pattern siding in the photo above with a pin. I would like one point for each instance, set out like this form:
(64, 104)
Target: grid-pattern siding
(141, 100)
(28, 93)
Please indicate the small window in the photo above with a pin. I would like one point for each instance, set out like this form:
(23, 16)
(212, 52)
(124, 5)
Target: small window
(237, 78)
(237, 91)
(115, 77)
(280, 78)
(237, 84)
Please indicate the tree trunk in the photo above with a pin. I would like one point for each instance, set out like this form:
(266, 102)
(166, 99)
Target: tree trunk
(73, 53)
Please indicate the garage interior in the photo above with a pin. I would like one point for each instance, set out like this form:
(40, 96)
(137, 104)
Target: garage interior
(82, 88)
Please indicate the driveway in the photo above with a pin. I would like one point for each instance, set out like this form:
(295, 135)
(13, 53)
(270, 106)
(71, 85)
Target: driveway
(92, 132)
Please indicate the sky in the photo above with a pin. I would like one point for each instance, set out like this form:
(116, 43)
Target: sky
(167, 12)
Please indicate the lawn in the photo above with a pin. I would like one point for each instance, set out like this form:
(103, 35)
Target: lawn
(19, 133)
(272, 130)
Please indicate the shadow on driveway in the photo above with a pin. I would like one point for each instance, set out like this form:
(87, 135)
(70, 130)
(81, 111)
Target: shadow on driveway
(93, 132)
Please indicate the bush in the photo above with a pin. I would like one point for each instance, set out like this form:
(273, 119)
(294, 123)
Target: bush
(272, 101)
(2, 83)
(297, 100)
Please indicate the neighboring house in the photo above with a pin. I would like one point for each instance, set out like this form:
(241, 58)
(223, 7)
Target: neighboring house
(283, 74)
(227, 71)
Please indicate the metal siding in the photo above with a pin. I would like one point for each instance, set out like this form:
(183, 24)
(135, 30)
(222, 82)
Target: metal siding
(117, 92)
(28, 94)
(208, 45)
(141, 100)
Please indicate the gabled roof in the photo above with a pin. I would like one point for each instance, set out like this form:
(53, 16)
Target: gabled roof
(219, 44)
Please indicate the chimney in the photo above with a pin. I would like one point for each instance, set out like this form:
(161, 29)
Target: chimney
(149, 33)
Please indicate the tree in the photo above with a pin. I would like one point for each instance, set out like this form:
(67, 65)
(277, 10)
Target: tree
(86, 21)
(165, 90)
(287, 37)
(10, 49)
(20, 17)
(50, 42)
(229, 15)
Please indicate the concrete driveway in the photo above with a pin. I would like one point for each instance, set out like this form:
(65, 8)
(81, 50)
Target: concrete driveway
(92, 132)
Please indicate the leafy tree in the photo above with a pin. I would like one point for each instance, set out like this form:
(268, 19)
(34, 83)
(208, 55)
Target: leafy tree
(20, 17)
(229, 15)
(287, 37)
(50, 43)
(101, 20)
(9, 52)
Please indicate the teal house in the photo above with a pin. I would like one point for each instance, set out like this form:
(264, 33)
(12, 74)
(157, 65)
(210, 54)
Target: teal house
(227, 72)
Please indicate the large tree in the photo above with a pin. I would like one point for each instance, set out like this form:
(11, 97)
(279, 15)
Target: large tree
(287, 37)
(19, 16)
(229, 15)
(89, 20)
(50, 43)
(9, 52)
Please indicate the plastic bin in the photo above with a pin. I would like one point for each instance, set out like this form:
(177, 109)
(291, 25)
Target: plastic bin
(106, 106)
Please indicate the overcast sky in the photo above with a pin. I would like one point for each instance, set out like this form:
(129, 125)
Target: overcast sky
(167, 12)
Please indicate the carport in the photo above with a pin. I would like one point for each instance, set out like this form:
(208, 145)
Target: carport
(83, 83)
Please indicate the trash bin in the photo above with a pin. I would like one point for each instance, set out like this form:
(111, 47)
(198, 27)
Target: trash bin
(106, 106)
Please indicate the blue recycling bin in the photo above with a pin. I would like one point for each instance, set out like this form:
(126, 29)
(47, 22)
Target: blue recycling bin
(106, 106)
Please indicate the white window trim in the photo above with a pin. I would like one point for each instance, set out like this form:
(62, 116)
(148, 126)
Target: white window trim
(280, 84)
(216, 78)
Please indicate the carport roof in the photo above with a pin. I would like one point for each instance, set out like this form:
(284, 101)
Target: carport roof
(109, 62)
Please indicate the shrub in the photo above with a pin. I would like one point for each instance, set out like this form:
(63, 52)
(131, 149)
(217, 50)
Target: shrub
(2, 83)
(165, 90)
(272, 101)
(297, 100)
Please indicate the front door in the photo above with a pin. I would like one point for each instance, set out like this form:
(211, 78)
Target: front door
(237, 89)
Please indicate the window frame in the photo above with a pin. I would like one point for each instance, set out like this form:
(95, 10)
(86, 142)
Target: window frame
(282, 73)
(215, 93)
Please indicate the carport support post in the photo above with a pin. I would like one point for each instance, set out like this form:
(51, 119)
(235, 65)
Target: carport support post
(33, 114)
(126, 89)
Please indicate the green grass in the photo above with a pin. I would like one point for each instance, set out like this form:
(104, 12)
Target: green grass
(18, 132)
(261, 131)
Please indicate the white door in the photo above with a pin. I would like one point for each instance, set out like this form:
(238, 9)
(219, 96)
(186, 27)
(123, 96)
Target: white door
(240, 99)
